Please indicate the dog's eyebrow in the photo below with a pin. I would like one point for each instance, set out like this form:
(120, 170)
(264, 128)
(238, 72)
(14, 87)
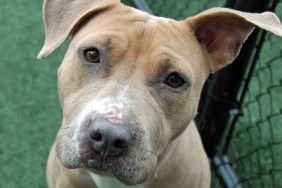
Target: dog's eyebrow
(165, 65)
(160, 70)
(108, 43)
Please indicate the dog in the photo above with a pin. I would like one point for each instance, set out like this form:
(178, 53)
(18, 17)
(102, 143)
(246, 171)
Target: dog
(129, 86)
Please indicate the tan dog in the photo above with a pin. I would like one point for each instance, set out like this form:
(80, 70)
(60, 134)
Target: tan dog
(129, 86)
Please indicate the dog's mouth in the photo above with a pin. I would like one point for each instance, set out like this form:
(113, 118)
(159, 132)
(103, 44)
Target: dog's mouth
(99, 145)
(130, 167)
(130, 171)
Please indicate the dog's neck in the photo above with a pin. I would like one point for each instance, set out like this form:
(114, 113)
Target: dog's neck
(110, 182)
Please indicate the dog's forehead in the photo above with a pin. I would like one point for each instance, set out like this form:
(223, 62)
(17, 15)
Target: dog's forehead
(134, 38)
(137, 25)
(136, 30)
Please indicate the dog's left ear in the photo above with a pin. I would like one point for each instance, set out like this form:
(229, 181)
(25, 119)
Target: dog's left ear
(222, 31)
(62, 16)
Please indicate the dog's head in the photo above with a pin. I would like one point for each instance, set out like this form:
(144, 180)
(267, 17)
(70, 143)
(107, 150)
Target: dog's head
(130, 82)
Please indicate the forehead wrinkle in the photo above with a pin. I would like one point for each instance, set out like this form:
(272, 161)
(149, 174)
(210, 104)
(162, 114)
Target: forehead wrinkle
(170, 28)
(157, 33)
(147, 33)
(164, 65)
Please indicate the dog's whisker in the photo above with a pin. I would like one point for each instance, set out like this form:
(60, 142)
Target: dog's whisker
(64, 128)
(60, 136)
(60, 143)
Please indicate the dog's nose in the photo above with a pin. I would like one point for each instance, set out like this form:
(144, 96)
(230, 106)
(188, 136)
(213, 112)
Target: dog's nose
(110, 139)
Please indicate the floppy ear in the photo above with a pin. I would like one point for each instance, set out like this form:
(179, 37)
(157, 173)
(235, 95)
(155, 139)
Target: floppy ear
(61, 17)
(222, 31)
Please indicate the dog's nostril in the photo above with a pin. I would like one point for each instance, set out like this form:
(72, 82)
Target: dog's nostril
(108, 139)
(96, 136)
(122, 144)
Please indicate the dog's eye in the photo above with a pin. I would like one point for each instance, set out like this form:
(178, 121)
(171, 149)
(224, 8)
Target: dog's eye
(174, 80)
(92, 55)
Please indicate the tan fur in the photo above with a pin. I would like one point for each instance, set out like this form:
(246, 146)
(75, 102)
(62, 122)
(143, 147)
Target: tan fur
(137, 50)
(59, 176)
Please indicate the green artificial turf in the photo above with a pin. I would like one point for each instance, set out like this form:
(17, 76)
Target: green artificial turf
(29, 108)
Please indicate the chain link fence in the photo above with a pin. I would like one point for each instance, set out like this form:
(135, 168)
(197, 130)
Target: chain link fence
(245, 148)
(181, 9)
(255, 146)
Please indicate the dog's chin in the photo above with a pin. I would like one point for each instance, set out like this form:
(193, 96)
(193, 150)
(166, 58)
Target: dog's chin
(129, 169)
(123, 177)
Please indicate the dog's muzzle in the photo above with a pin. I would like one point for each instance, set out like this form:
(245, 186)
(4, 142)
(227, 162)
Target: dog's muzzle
(110, 139)
(107, 138)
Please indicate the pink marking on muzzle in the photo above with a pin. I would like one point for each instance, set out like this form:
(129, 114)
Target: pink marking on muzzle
(114, 114)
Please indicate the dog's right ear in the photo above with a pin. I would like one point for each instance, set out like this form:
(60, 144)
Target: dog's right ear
(62, 16)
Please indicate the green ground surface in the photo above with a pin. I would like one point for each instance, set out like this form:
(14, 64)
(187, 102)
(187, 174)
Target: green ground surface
(29, 106)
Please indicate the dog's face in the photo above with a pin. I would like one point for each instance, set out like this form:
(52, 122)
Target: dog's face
(139, 74)
(130, 82)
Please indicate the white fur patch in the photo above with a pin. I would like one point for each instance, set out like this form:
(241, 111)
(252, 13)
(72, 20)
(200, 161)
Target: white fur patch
(110, 182)
(112, 108)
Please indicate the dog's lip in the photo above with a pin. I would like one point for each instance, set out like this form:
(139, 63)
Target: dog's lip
(108, 172)
(107, 168)
(104, 164)
(98, 170)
